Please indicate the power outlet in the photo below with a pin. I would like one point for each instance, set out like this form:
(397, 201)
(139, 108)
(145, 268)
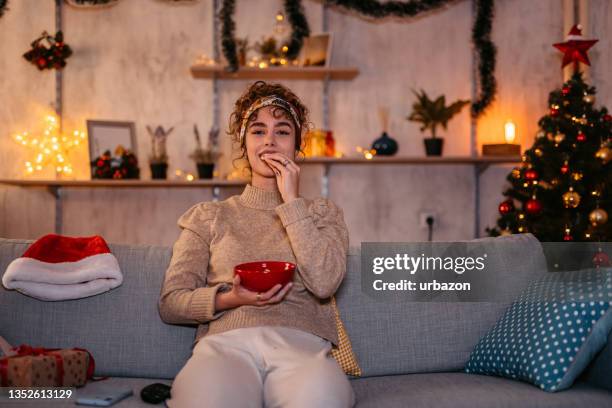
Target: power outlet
(423, 218)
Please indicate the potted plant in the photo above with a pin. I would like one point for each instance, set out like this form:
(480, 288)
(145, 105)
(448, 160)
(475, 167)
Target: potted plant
(430, 114)
(205, 158)
(158, 159)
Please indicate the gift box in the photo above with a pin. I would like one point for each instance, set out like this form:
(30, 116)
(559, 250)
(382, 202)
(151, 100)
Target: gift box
(26, 366)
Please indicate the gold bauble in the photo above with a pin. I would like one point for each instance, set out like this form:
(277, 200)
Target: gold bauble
(559, 137)
(516, 173)
(577, 176)
(603, 154)
(571, 199)
(588, 98)
(505, 232)
(598, 217)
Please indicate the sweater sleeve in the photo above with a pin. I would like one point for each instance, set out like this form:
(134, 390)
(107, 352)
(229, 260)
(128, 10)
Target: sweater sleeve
(184, 297)
(319, 239)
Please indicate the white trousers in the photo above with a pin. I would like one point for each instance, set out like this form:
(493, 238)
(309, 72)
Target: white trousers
(264, 366)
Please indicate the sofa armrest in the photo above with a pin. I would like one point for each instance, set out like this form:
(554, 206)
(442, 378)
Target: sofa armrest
(599, 372)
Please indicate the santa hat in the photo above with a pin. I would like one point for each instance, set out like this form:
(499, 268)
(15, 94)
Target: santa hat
(57, 267)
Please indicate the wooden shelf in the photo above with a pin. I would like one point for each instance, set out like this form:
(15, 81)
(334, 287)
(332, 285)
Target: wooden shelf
(219, 72)
(126, 183)
(412, 160)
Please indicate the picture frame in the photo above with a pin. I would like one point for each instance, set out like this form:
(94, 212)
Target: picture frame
(105, 135)
(316, 50)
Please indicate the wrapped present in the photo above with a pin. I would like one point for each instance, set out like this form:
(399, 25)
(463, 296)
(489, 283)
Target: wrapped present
(25, 366)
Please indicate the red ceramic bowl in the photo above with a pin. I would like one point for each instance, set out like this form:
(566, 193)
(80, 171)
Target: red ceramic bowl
(261, 276)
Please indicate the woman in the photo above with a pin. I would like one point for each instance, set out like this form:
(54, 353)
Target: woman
(253, 349)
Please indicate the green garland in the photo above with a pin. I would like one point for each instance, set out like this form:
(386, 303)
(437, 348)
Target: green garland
(481, 37)
(481, 33)
(373, 8)
(3, 7)
(228, 42)
(299, 26)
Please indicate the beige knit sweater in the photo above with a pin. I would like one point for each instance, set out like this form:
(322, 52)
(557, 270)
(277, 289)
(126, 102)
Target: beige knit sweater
(256, 225)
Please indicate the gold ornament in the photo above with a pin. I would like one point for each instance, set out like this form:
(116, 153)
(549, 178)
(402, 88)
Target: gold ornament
(540, 134)
(603, 154)
(554, 181)
(559, 137)
(571, 199)
(577, 176)
(516, 173)
(538, 152)
(598, 217)
(505, 232)
(588, 98)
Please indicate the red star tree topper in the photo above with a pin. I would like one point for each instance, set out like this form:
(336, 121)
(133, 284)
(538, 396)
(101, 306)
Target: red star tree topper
(575, 48)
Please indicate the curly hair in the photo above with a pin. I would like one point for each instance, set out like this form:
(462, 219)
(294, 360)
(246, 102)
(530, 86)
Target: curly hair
(258, 90)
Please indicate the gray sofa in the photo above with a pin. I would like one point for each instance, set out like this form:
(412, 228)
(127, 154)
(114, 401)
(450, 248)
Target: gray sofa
(410, 354)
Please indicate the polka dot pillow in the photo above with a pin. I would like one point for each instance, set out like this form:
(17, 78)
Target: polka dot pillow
(551, 332)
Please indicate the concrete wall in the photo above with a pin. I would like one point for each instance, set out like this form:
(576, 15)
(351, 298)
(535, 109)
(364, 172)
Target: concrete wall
(132, 62)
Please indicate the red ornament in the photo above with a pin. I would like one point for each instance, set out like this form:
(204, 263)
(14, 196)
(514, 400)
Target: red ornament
(581, 137)
(564, 169)
(505, 207)
(575, 48)
(567, 237)
(554, 112)
(601, 259)
(533, 206)
(565, 90)
(531, 174)
(607, 117)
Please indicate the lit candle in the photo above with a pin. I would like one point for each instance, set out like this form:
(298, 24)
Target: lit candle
(509, 131)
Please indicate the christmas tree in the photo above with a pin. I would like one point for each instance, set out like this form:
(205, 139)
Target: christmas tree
(561, 190)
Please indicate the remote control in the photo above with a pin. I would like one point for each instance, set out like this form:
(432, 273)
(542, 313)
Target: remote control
(155, 393)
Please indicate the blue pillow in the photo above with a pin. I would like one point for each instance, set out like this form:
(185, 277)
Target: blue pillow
(551, 332)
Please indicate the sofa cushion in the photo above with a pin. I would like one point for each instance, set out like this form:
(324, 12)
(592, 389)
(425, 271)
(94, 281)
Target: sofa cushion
(460, 390)
(552, 332)
(411, 337)
(121, 328)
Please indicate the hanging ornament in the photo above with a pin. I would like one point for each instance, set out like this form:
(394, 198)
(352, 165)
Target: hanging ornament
(559, 137)
(577, 176)
(52, 56)
(564, 168)
(533, 206)
(601, 259)
(571, 199)
(516, 173)
(540, 134)
(565, 90)
(531, 174)
(603, 154)
(607, 118)
(581, 137)
(505, 232)
(554, 110)
(589, 98)
(575, 47)
(598, 217)
(506, 206)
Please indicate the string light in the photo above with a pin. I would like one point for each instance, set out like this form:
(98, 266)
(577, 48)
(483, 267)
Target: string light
(50, 149)
(368, 154)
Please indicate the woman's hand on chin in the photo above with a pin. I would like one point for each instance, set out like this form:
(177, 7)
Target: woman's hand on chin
(239, 295)
(287, 176)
